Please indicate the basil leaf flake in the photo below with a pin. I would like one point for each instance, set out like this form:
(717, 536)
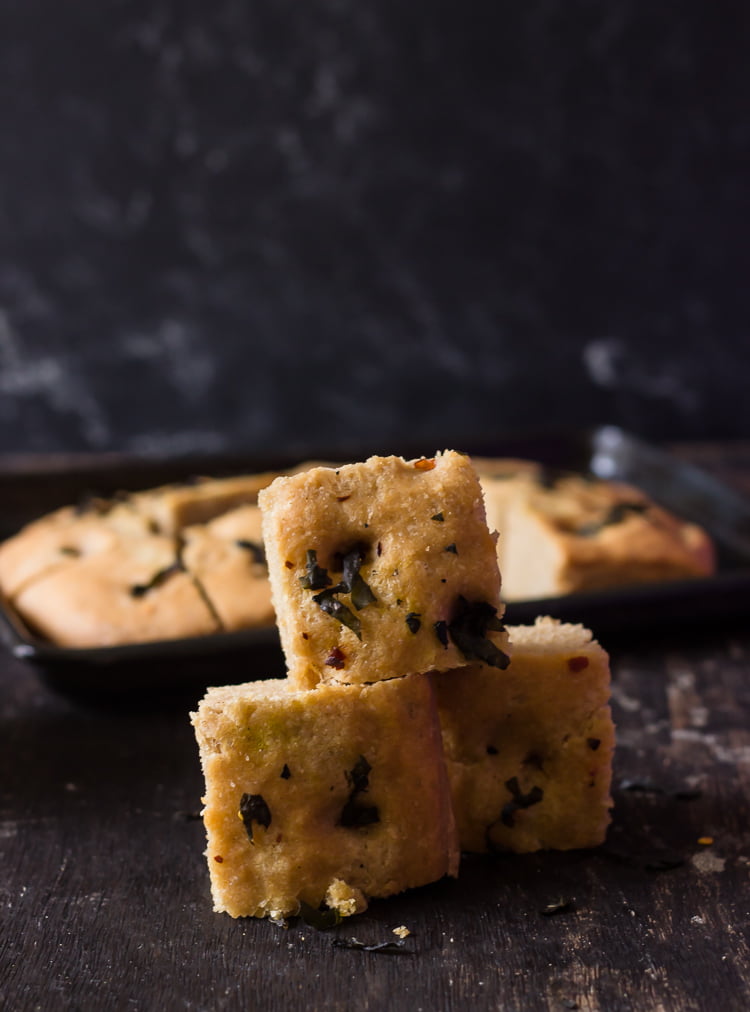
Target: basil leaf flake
(330, 604)
(253, 808)
(315, 578)
(468, 629)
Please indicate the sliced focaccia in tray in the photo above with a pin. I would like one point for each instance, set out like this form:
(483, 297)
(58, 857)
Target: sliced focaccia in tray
(561, 533)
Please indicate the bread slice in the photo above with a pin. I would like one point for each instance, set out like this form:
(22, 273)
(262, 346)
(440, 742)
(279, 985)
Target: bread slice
(323, 797)
(171, 508)
(381, 569)
(529, 750)
(562, 533)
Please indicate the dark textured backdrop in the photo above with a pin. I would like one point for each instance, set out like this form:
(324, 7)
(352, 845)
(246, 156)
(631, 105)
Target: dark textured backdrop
(275, 223)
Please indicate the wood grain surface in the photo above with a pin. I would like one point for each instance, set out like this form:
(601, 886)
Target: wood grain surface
(104, 899)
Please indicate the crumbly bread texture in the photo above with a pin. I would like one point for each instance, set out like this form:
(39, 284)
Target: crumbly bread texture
(529, 750)
(381, 569)
(561, 533)
(329, 796)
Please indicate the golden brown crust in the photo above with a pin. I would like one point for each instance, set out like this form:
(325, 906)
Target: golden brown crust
(134, 591)
(171, 508)
(561, 533)
(226, 557)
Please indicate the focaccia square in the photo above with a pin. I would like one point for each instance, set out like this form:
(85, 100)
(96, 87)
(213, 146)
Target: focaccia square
(529, 750)
(381, 569)
(322, 797)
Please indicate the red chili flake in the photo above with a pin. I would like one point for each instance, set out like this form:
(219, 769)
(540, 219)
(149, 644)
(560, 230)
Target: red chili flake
(379, 548)
(578, 663)
(424, 464)
(289, 565)
(218, 857)
(305, 636)
(336, 658)
(342, 498)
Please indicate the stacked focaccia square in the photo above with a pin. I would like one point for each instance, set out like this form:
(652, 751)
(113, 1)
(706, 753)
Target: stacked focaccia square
(404, 731)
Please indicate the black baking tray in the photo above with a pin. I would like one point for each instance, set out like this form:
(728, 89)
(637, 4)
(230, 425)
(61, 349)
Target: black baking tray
(164, 668)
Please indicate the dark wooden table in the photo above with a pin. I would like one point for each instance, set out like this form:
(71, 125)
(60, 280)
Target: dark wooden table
(104, 890)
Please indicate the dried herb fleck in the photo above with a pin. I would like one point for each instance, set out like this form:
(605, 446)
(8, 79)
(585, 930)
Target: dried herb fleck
(286, 772)
(389, 948)
(441, 631)
(413, 621)
(355, 814)
(256, 550)
(315, 578)
(330, 604)
(351, 582)
(351, 578)
(619, 512)
(438, 516)
(452, 548)
(253, 808)
(362, 595)
(468, 629)
(519, 801)
(160, 577)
